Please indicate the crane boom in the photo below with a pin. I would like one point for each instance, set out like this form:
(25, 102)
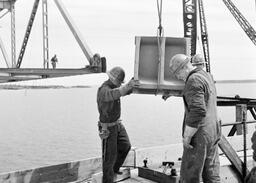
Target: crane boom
(246, 26)
(27, 34)
(75, 31)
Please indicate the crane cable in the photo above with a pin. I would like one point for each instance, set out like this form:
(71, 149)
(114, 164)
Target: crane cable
(159, 11)
(159, 40)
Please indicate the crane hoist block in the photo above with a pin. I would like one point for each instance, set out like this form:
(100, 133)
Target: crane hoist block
(151, 68)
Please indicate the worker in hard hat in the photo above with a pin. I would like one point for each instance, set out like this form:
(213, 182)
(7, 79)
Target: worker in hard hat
(115, 140)
(198, 61)
(201, 127)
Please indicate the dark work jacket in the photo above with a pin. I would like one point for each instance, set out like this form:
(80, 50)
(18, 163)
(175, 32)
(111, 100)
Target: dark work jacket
(200, 101)
(108, 100)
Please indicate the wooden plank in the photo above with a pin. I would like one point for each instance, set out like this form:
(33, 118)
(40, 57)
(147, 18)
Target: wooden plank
(231, 154)
(237, 142)
(56, 172)
(71, 171)
(232, 131)
(241, 115)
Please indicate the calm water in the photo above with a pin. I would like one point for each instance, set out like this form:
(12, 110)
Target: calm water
(47, 126)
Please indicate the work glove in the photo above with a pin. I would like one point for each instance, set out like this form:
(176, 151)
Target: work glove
(127, 88)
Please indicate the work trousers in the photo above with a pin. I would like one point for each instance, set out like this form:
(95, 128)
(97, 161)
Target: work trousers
(114, 151)
(201, 161)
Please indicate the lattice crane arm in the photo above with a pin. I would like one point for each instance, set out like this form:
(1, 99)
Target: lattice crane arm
(246, 26)
(27, 34)
(190, 27)
(204, 36)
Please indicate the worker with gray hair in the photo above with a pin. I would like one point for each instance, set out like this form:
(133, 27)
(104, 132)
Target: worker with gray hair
(115, 140)
(201, 127)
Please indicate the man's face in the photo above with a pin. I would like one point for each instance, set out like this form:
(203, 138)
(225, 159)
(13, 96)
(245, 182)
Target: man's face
(181, 75)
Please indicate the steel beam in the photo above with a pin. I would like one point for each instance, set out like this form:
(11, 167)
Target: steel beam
(78, 36)
(6, 58)
(20, 74)
(13, 34)
(27, 33)
(41, 71)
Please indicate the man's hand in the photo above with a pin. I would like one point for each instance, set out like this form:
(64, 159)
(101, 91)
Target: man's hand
(189, 132)
(104, 133)
(166, 95)
(186, 142)
(131, 83)
(127, 88)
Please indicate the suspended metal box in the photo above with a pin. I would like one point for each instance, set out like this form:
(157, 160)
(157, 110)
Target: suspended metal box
(152, 74)
(5, 4)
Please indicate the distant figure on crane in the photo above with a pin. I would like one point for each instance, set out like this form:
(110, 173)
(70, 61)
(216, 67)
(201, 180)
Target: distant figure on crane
(54, 61)
(96, 59)
(115, 140)
(198, 61)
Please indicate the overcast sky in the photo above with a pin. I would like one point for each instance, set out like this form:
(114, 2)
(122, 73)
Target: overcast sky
(109, 28)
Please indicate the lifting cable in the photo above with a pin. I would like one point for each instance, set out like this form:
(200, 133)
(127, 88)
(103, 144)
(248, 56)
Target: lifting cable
(160, 33)
(159, 11)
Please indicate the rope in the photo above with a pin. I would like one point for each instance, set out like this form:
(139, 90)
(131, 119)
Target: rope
(159, 11)
(159, 39)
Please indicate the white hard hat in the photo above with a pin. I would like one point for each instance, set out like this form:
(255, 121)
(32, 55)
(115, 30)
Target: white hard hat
(177, 62)
(197, 59)
(116, 75)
